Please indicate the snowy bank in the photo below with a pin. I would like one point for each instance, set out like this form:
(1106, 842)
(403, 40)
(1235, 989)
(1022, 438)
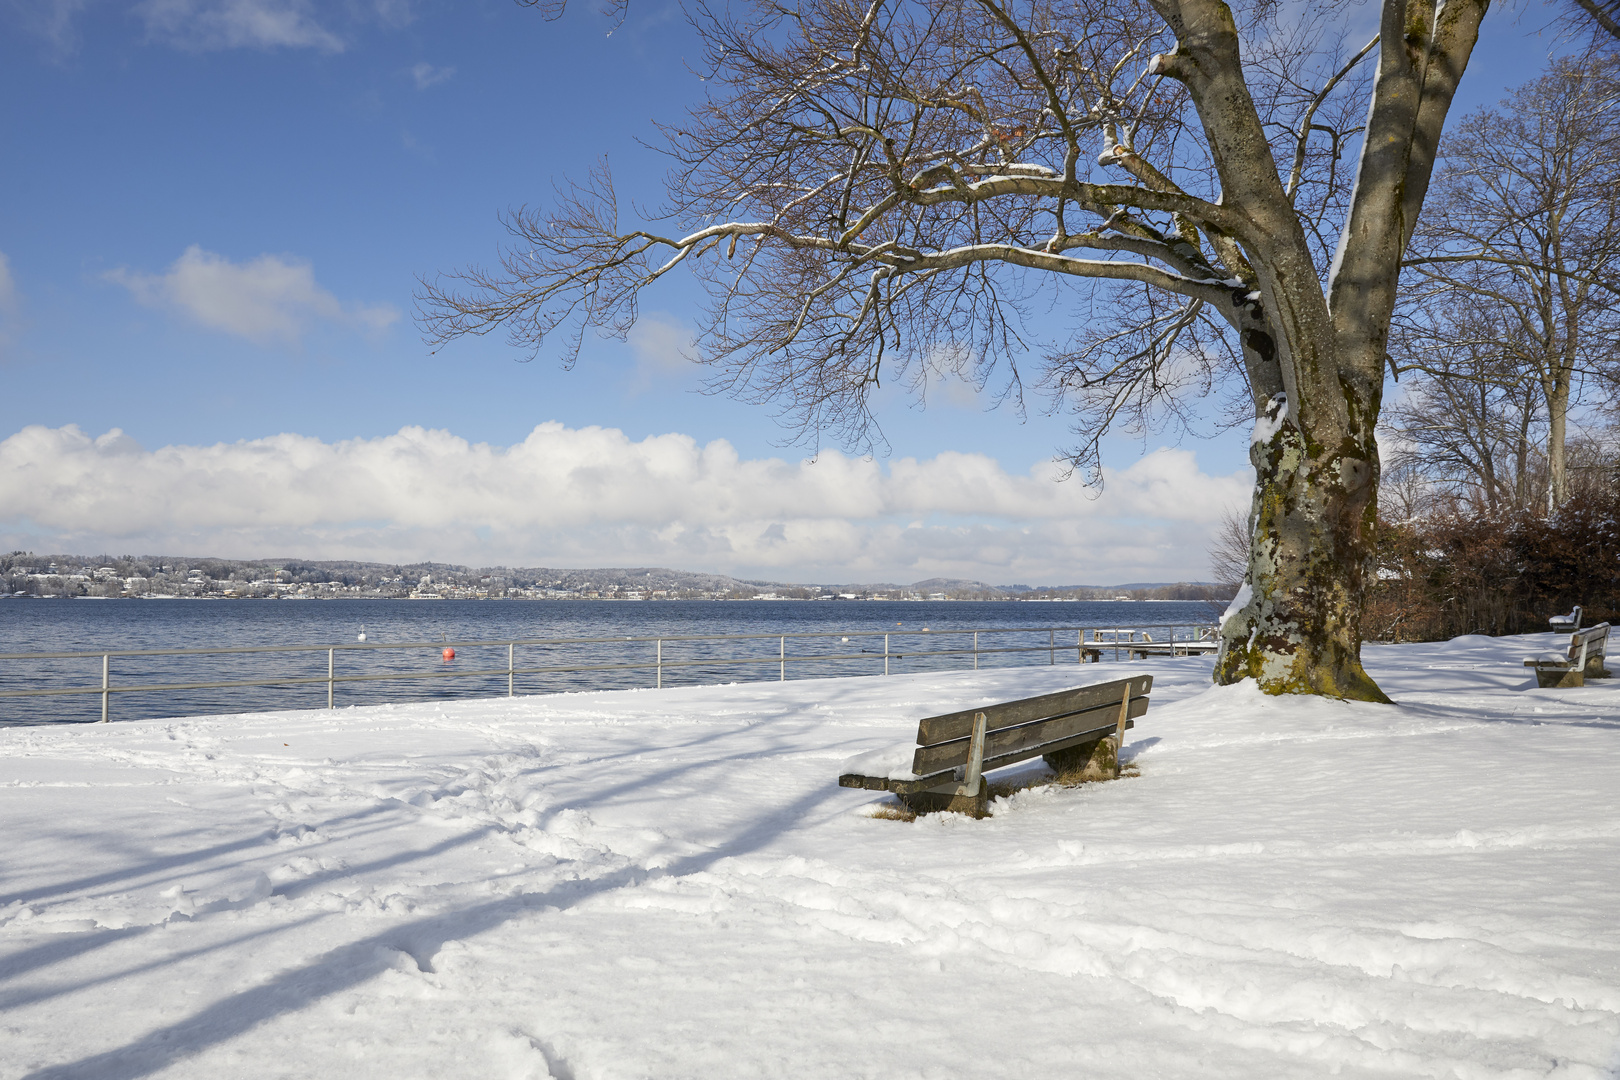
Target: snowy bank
(671, 884)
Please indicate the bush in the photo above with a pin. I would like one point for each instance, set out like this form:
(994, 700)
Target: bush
(1484, 573)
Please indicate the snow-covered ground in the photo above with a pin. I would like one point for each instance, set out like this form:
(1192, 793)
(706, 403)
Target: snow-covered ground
(671, 884)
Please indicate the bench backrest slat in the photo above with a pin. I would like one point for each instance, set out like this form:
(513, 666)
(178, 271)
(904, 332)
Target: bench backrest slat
(959, 725)
(1593, 641)
(1010, 744)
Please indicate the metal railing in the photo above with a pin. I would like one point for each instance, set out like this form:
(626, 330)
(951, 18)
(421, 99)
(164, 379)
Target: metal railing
(1172, 642)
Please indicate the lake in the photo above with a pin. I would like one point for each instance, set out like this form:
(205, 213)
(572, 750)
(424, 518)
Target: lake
(918, 632)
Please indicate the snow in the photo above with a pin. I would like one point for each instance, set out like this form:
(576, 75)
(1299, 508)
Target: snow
(671, 884)
(1343, 246)
(1244, 594)
(1271, 420)
(891, 762)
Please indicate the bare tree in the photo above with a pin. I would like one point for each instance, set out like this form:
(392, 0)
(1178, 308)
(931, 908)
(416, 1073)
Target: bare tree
(1467, 425)
(1597, 19)
(1229, 552)
(899, 184)
(1525, 219)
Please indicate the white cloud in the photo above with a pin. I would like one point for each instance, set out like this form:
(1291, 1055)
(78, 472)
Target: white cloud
(208, 25)
(594, 497)
(8, 286)
(264, 299)
(661, 346)
(233, 24)
(661, 343)
(955, 392)
(394, 13)
(10, 305)
(427, 75)
(54, 20)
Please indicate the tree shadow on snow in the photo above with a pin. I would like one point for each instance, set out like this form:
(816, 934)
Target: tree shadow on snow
(177, 861)
(357, 962)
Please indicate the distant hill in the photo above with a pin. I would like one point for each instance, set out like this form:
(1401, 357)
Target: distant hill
(26, 572)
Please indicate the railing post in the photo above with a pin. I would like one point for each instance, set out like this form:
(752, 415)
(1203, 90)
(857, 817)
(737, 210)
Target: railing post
(783, 654)
(1051, 648)
(885, 654)
(104, 684)
(659, 663)
(331, 666)
(511, 646)
(975, 650)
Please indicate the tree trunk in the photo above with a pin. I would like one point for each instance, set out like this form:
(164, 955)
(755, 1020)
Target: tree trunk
(1485, 448)
(1296, 625)
(1557, 458)
(1521, 451)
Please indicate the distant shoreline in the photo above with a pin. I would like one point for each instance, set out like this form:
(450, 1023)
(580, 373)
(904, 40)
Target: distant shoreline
(154, 576)
(653, 600)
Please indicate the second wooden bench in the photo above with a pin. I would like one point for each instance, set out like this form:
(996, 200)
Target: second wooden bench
(1077, 731)
(1583, 660)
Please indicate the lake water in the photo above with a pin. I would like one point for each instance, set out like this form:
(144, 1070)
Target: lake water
(918, 631)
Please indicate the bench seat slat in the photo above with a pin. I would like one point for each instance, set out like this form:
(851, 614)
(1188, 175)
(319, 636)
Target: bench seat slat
(959, 725)
(1075, 738)
(1010, 742)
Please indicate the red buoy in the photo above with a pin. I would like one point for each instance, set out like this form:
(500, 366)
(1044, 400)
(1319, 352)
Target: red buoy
(449, 655)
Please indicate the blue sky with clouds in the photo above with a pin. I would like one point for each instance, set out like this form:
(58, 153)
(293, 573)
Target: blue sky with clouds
(215, 213)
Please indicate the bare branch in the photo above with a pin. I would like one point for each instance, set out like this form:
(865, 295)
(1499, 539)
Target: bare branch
(1306, 126)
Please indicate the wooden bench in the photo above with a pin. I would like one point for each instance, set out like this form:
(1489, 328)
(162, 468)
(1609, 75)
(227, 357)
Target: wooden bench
(1564, 624)
(1583, 660)
(1077, 731)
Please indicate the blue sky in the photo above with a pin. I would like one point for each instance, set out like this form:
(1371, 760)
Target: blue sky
(215, 215)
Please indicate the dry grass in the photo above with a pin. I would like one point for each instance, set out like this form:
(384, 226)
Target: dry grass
(1076, 779)
(893, 811)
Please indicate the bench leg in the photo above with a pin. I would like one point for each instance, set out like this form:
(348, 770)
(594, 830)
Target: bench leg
(949, 798)
(1559, 678)
(969, 793)
(1089, 761)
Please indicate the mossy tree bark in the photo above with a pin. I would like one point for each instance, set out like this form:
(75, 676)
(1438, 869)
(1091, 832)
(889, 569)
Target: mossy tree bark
(1297, 628)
